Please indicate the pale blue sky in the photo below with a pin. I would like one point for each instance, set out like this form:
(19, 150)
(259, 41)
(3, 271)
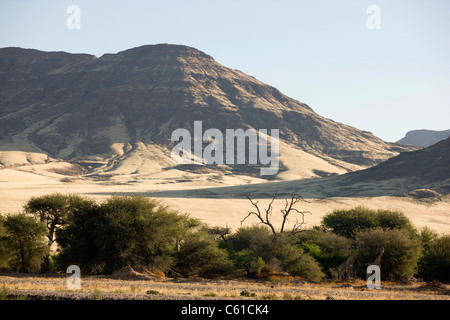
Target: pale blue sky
(319, 52)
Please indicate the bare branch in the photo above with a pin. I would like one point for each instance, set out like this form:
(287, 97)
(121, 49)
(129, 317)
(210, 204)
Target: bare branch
(298, 225)
(258, 213)
(295, 197)
(289, 207)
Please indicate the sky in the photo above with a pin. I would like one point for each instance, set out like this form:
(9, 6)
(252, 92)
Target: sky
(385, 71)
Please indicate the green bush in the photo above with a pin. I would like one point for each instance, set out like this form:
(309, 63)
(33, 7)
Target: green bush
(4, 293)
(139, 231)
(329, 249)
(153, 292)
(401, 252)
(246, 247)
(246, 293)
(348, 223)
(305, 266)
(293, 259)
(198, 254)
(387, 219)
(256, 248)
(255, 266)
(427, 236)
(256, 238)
(435, 263)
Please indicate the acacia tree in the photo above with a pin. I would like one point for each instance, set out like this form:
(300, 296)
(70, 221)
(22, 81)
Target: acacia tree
(435, 263)
(4, 252)
(265, 215)
(25, 238)
(136, 231)
(53, 209)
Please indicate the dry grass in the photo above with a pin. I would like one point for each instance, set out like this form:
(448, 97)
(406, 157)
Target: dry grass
(181, 289)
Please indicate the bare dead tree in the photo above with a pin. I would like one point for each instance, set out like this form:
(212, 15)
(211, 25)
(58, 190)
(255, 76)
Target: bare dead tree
(265, 215)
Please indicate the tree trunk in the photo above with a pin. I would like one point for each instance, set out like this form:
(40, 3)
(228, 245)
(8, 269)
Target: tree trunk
(22, 255)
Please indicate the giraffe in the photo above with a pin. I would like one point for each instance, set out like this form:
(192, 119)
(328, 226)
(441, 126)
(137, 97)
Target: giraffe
(377, 275)
(377, 261)
(346, 269)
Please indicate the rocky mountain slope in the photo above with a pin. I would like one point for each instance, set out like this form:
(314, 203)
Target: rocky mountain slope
(426, 167)
(115, 114)
(424, 138)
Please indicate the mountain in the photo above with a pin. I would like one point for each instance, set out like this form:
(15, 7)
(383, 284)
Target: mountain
(114, 115)
(424, 138)
(423, 173)
(425, 168)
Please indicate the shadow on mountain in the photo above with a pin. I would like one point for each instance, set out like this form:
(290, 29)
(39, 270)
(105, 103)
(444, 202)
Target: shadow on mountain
(427, 169)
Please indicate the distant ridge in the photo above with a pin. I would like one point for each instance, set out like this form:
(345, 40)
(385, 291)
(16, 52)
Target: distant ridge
(424, 138)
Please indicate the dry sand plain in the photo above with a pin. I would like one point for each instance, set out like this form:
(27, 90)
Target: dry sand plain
(213, 204)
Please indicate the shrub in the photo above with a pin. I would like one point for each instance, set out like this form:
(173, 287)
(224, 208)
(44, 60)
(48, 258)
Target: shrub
(248, 245)
(293, 259)
(267, 271)
(307, 267)
(198, 254)
(153, 292)
(255, 266)
(210, 294)
(435, 263)
(401, 252)
(427, 235)
(256, 249)
(348, 223)
(97, 294)
(269, 296)
(246, 293)
(387, 219)
(257, 238)
(329, 249)
(138, 231)
(4, 293)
